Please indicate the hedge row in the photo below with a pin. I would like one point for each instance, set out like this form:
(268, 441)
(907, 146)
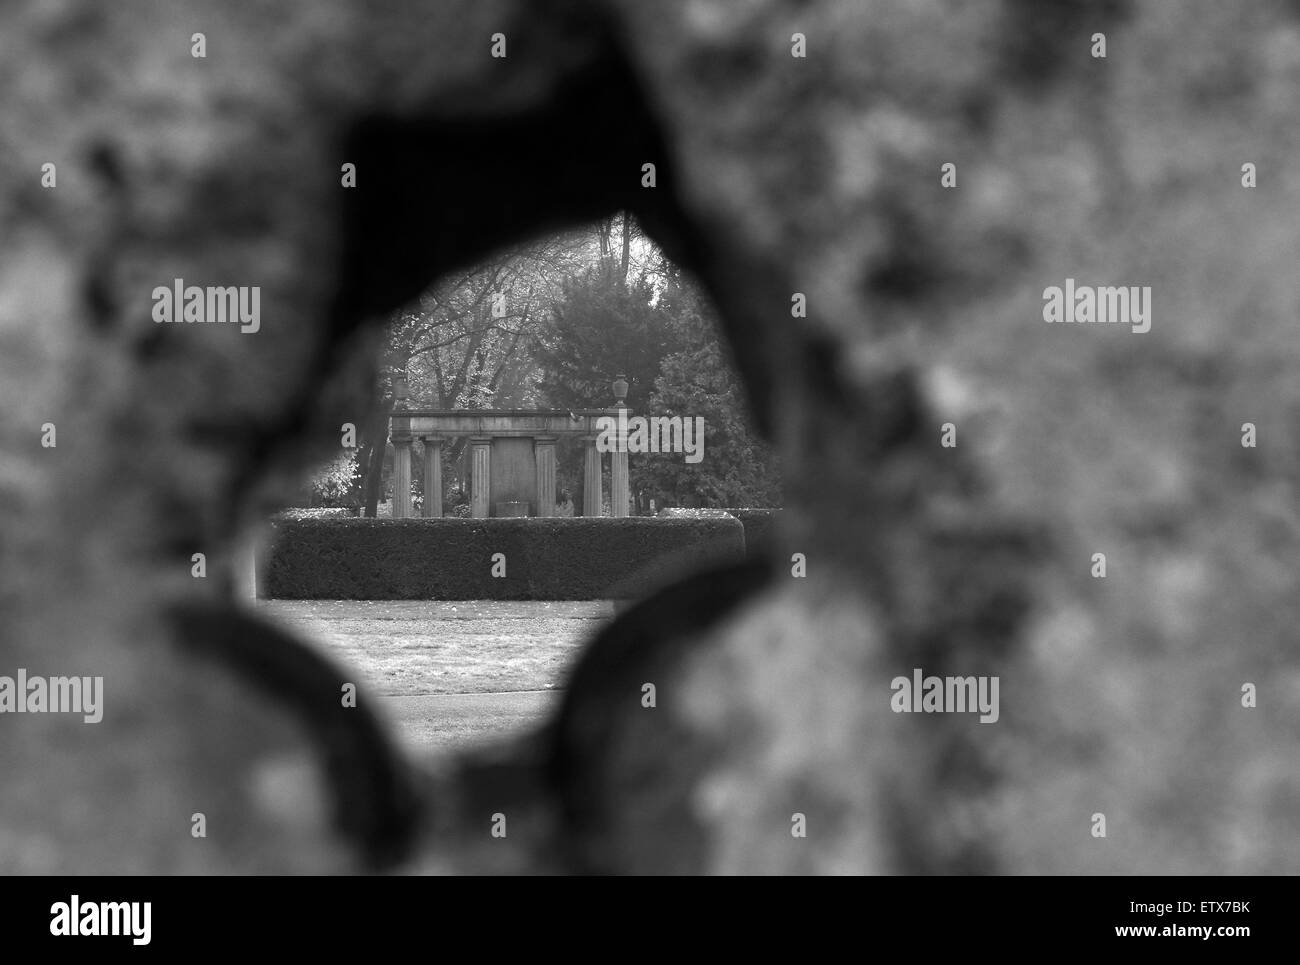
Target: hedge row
(758, 523)
(452, 559)
(301, 512)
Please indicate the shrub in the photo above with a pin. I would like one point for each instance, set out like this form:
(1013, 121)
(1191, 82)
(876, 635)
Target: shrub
(681, 512)
(452, 559)
(759, 526)
(758, 523)
(335, 483)
(318, 513)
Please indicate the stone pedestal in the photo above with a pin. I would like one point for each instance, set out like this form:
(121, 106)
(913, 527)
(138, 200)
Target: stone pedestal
(433, 477)
(480, 477)
(544, 451)
(591, 483)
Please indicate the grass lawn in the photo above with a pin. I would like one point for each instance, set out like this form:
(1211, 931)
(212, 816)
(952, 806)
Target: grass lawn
(413, 647)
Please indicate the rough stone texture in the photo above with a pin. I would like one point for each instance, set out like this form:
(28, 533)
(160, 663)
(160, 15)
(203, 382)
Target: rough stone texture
(776, 175)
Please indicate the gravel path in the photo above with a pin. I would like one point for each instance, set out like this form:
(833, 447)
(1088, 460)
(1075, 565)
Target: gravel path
(461, 721)
(419, 647)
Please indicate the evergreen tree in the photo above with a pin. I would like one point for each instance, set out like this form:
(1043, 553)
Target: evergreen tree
(603, 326)
(698, 379)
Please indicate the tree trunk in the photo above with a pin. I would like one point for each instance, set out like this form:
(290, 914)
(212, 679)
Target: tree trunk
(373, 468)
(627, 245)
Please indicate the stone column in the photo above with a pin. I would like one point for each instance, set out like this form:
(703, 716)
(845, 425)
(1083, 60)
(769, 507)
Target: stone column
(250, 554)
(618, 474)
(401, 477)
(591, 491)
(481, 477)
(433, 477)
(544, 451)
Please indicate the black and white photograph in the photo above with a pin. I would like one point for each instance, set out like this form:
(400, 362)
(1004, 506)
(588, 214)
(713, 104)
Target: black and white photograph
(730, 438)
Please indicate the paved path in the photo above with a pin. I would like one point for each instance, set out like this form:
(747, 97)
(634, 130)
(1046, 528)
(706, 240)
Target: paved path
(412, 647)
(451, 674)
(444, 609)
(445, 721)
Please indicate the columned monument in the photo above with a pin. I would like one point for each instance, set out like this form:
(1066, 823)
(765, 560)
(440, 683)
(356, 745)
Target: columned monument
(511, 457)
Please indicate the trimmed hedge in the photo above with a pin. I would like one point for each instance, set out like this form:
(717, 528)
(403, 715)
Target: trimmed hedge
(451, 559)
(685, 512)
(758, 523)
(299, 512)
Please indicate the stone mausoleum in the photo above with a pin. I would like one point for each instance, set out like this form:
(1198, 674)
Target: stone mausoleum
(511, 457)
